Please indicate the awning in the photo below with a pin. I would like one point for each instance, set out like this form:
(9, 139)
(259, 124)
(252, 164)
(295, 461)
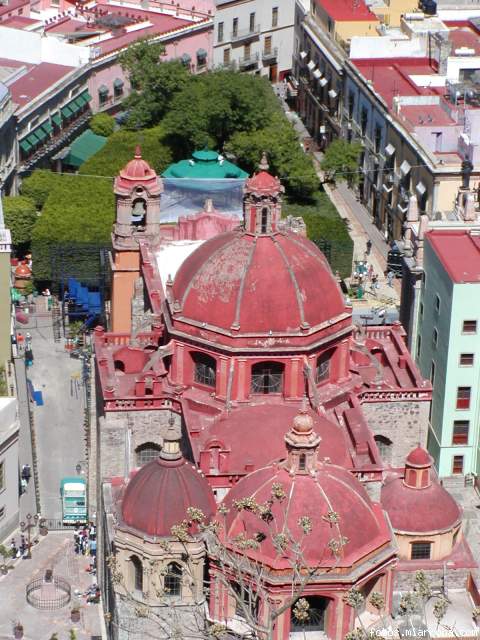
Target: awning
(33, 139)
(66, 111)
(311, 65)
(421, 188)
(303, 55)
(41, 134)
(81, 101)
(317, 74)
(118, 83)
(47, 127)
(25, 145)
(332, 94)
(57, 119)
(201, 53)
(405, 168)
(103, 90)
(74, 107)
(83, 148)
(186, 58)
(389, 150)
(87, 96)
(323, 82)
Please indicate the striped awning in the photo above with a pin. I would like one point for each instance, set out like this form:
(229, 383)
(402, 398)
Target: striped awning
(57, 119)
(66, 111)
(25, 145)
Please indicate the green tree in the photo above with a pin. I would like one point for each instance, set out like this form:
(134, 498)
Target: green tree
(153, 82)
(38, 186)
(340, 162)
(20, 218)
(102, 124)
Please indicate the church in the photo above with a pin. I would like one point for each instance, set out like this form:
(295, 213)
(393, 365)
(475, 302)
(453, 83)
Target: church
(234, 378)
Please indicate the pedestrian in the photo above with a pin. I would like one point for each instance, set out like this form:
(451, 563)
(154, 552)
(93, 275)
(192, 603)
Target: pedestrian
(23, 545)
(375, 281)
(13, 548)
(370, 272)
(369, 247)
(26, 472)
(390, 277)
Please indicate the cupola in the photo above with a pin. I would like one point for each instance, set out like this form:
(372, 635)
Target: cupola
(418, 466)
(262, 202)
(302, 444)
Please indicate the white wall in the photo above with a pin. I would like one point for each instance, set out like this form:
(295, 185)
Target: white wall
(34, 48)
(9, 499)
(386, 47)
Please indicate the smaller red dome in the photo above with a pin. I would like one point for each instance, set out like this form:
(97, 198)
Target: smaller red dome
(138, 170)
(303, 423)
(23, 271)
(263, 182)
(159, 494)
(419, 457)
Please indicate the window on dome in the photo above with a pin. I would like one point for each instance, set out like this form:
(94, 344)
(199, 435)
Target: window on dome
(316, 615)
(421, 550)
(323, 367)
(267, 377)
(205, 369)
(384, 446)
(139, 212)
(173, 580)
(302, 462)
(137, 573)
(146, 453)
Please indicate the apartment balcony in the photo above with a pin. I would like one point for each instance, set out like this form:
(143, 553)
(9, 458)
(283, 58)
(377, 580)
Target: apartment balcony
(269, 55)
(243, 35)
(249, 61)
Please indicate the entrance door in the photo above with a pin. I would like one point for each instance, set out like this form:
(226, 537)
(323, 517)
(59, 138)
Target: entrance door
(273, 73)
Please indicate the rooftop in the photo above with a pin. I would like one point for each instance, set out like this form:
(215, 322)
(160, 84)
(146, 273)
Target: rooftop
(459, 253)
(205, 164)
(346, 10)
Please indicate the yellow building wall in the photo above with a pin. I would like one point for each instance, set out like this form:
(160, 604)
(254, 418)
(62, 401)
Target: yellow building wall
(391, 14)
(345, 30)
(442, 543)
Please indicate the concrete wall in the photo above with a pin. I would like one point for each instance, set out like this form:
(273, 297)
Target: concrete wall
(35, 48)
(9, 498)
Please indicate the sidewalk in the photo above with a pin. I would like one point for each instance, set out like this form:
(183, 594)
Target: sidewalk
(54, 551)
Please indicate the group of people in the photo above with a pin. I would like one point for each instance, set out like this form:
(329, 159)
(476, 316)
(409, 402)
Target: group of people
(19, 550)
(85, 540)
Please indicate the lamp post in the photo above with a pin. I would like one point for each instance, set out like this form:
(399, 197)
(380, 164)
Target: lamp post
(27, 527)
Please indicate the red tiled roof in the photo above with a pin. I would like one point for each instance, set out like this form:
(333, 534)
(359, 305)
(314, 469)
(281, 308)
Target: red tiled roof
(19, 22)
(13, 5)
(459, 253)
(347, 10)
(37, 79)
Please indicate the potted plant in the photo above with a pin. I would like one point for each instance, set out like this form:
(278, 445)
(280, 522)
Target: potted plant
(18, 630)
(75, 614)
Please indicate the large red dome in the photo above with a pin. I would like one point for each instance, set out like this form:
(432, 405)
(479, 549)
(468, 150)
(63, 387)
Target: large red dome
(159, 494)
(331, 489)
(279, 283)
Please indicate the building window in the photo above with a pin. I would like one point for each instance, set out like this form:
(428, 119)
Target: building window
(437, 303)
(220, 32)
(205, 369)
(364, 122)
(316, 618)
(117, 88)
(252, 22)
(103, 92)
(330, 25)
(466, 359)
(351, 104)
(226, 56)
(247, 51)
(235, 28)
(267, 377)
(432, 373)
(435, 337)
(323, 367)
(302, 462)
(421, 550)
(378, 139)
(275, 17)
(137, 571)
(2, 476)
(146, 453)
(460, 432)
(457, 466)
(469, 326)
(267, 47)
(463, 397)
(173, 580)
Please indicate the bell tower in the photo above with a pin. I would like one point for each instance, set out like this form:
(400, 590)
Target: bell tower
(262, 201)
(138, 192)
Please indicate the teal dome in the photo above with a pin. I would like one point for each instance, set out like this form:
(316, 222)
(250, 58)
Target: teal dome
(205, 165)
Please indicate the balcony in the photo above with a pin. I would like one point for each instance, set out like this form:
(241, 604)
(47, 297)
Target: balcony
(242, 35)
(270, 55)
(249, 61)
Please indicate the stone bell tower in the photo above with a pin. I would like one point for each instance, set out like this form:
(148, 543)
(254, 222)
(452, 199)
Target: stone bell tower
(262, 201)
(138, 191)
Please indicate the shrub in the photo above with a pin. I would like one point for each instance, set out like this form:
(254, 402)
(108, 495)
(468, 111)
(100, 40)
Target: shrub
(102, 124)
(38, 186)
(20, 218)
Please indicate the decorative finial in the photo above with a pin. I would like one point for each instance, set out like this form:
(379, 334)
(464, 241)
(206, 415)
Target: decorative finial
(138, 152)
(264, 166)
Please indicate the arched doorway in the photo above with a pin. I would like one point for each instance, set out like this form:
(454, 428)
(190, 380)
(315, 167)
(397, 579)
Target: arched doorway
(315, 621)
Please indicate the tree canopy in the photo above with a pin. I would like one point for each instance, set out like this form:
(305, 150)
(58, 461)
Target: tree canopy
(102, 124)
(38, 185)
(340, 162)
(20, 217)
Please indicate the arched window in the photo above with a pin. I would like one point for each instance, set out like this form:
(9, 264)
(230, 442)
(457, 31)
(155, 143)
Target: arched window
(302, 462)
(316, 616)
(146, 453)
(384, 446)
(119, 366)
(139, 212)
(173, 580)
(264, 220)
(205, 369)
(137, 573)
(322, 371)
(267, 377)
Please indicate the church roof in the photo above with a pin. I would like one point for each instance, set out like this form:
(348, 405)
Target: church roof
(205, 164)
(418, 457)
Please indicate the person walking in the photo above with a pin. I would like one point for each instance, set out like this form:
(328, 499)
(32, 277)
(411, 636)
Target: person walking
(390, 277)
(369, 247)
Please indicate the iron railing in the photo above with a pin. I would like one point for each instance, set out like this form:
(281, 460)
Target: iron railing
(48, 599)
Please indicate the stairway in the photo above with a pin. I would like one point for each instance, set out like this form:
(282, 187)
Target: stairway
(56, 321)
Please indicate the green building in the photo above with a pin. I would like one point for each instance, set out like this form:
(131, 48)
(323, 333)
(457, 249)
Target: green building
(448, 347)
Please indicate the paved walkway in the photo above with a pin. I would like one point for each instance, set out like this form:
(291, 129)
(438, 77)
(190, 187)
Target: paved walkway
(54, 551)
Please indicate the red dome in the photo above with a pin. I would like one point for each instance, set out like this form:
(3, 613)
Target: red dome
(418, 457)
(138, 170)
(275, 283)
(159, 494)
(419, 510)
(332, 489)
(263, 183)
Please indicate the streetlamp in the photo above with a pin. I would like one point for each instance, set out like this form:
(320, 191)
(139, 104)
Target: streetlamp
(27, 527)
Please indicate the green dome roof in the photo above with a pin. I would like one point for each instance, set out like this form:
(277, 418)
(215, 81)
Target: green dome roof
(205, 165)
